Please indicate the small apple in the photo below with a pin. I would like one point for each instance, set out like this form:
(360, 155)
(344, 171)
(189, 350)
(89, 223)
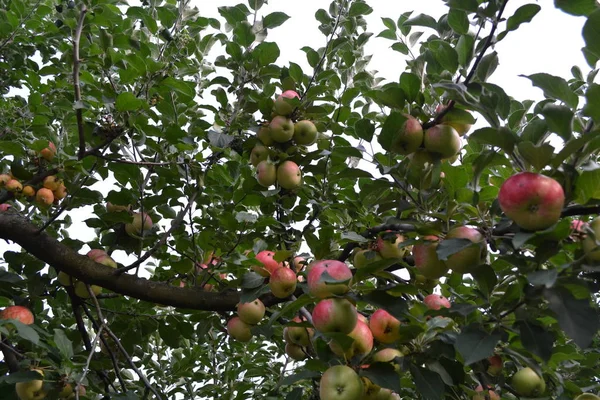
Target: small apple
(364, 257)
(481, 396)
(442, 140)
(295, 352)
(267, 265)
(385, 327)
(526, 382)
(266, 173)
(495, 366)
(239, 330)
(591, 250)
(14, 186)
(305, 133)
(283, 282)
(297, 334)
(426, 259)
(334, 315)
(44, 197)
(282, 129)
(409, 138)
(340, 383)
(49, 152)
(298, 264)
(259, 153)
(436, 302)
(337, 270)
(289, 175)
(360, 347)
(52, 182)
(533, 201)
(264, 135)
(65, 279)
(141, 223)
(61, 192)
(470, 257)
(28, 191)
(281, 106)
(460, 120)
(251, 313)
(4, 179)
(387, 245)
(32, 390)
(19, 313)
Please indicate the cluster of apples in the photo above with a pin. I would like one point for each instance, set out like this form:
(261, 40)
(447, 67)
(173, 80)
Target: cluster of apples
(282, 277)
(248, 314)
(284, 136)
(51, 192)
(297, 340)
(98, 255)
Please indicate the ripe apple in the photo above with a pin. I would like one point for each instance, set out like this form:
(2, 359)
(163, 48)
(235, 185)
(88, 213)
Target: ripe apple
(480, 396)
(282, 129)
(305, 133)
(94, 254)
(470, 257)
(337, 270)
(281, 106)
(28, 191)
(340, 383)
(141, 223)
(364, 257)
(591, 250)
(251, 313)
(289, 175)
(298, 264)
(14, 186)
(460, 120)
(436, 302)
(49, 152)
(387, 355)
(426, 260)
(4, 178)
(268, 265)
(442, 140)
(52, 182)
(264, 135)
(587, 396)
(334, 315)
(81, 290)
(533, 201)
(387, 245)
(266, 173)
(44, 197)
(526, 382)
(409, 138)
(19, 313)
(295, 352)
(32, 390)
(259, 153)
(298, 335)
(116, 208)
(283, 282)
(60, 193)
(495, 365)
(385, 327)
(360, 347)
(239, 330)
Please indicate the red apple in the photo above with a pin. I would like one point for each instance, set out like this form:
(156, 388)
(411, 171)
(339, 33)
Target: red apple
(426, 260)
(251, 313)
(283, 282)
(385, 327)
(298, 335)
(360, 347)
(442, 140)
(289, 175)
(239, 330)
(281, 106)
(282, 129)
(14, 186)
(268, 265)
(533, 201)
(436, 302)
(4, 179)
(496, 365)
(409, 137)
(305, 133)
(364, 257)
(4, 207)
(19, 313)
(295, 352)
(44, 197)
(340, 383)
(387, 245)
(337, 270)
(266, 173)
(470, 257)
(141, 223)
(481, 396)
(334, 315)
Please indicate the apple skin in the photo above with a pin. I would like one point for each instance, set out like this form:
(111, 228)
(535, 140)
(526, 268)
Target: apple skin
(496, 365)
(61, 192)
(442, 140)
(426, 260)
(364, 257)
(591, 250)
(388, 355)
(4, 207)
(282, 107)
(28, 191)
(459, 119)
(436, 302)
(587, 396)
(251, 313)
(239, 330)
(4, 179)
(52, 182)
(470, 257)
(387, 245)
(116, 207)
(19, 313)
(266, 173)
(282, 129)
(385, 327)
(334, 268)
(409, 138)
(362, 345)
(533, 201)
(283, 282)
(32, 390)
(340, 383)
(481, 396)
(81, 290)
(289, 175)
(334, 315)
(44, 197)
(141, 223)
(264, 135)
(14, 186)
(259, 153)
(295, 352)
(298, 335)
(267, 265)
(526, 382)
(49, 152)
(305, 133)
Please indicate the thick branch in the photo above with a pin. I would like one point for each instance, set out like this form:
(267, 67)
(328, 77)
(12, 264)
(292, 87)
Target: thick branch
(76, 85)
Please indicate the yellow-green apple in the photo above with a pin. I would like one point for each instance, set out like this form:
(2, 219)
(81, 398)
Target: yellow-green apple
(337, 270)
(526, 382)
(340, 383)
(587, 396)
(420, 169)
(360, 347)
(460, 120)
(65, 279)
(305, 133)
(28, 191)
(426, 259)
(264, 135)
(409, 137)
(298, 335)
(590, 248)
(364, 257)
(4, 179)
(52, 182)
(239, 330)
(283, 107)
(442, 140)
(19, 313)
(282, 129)
(14, 186)
(385, 327)
(495, 366)
(44, 197)
(49, 152)
(82, 291)
(106, 260)
(259, 153)
(266, 173)
(116, 208)
(61, 192)
(31, 390)
(282, 282)
(289, 175)
(436, 302)
(267, 265)
(533, 201)
(252, 312)
(388, 355)
(481, 396)
(295, 352)
(460, 262)
(141, 223)
(334, 315)
(387, 245)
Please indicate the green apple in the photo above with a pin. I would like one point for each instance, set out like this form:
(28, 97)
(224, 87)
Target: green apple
(591, 250)
(289, 175)
(295, 352)
(442, 140)
(526, 382)
(298, 335)
(81, 290)
(340, 383)
(282, 129)
(141, 223)
(587, 396)
(259, 153)
(387, 245)
(264, 135)
(420, 169)
(409, 137)
(305, 133)
(32, 390)
(266, 173)
(252, 312)
(426, 259)
(460, 120)
(282, 104)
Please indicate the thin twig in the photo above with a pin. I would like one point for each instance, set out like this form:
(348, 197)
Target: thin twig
(86, 368)
(141, 163)
(76, 84)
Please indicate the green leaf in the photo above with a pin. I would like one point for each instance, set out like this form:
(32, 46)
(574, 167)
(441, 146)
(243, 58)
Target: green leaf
(359, 8)
(487, 66)
(502, 137)
(392, 97)
(591, 36)
(364, 129)
(24, 331)
(127, 101)
(464, 49)
(267, 53)
(538, 156)
(577, 7)
(452, 246)
(587, 186)
(444, 54)
(523, 15)
(65, 346)
(400, 47)
(466, 5)
(458, 21)
(411, 85)
(243, 34)
(430, 385)
(554, 87)
(20, 376)
(559, 120)
(252, 280)
(592, 105)
(354, 237)
(475, 345)
(396, 306)
(536, 339)
(422, 20)
(275, 19)
(383, 375)
(392, 125)
(486, 278)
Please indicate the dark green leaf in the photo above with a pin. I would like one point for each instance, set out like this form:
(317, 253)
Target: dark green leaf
(592, 105)
(503, 138)
(487, 66)
(536, 339)
(364, 129)
(429, 384)
(458, 21)
(65, 346)
(275, 19)
(452, 246)
(475, 345)
(392, 125)
(127, 102)
(538, 156)
(359, 8)
(383, 375)
(554, 87)
(422, 20)
(523, 15)
(559, 120)
(577, 7)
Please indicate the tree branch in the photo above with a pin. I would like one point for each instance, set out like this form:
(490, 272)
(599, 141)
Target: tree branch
(76, 84)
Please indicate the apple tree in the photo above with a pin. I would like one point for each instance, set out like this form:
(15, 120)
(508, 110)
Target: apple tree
(186, 215)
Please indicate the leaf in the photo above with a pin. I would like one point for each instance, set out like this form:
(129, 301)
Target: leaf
(577, 7)
(536, 339)
(587, 186)
(502, 137)
(396, 306)
(24, 331)
(275, 19)
(295, 394)
(359, 8)
(65, 346)
(475, 345)
(487, 66)
(445, 54)
(392, 125)
(448, 247)
(458, 21)
(466, 5)
(486, 278)
(243, 34)
(422, 20)
(543, 277)
(127, 101)
(220, 140)
(592, 104)
(364, 129)
(354, 237)
(410, 85)
(429, 384)
(523, 15)
(300, 376)
(554, 87)
(252, 280)
(20, 376)
(464, 49)
(383, 375)
(538, 156)
(559, 120)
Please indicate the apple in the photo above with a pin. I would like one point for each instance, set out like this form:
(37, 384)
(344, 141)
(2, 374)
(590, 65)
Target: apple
(269, 265)
(289, 175)
(4, 207)
(337, 270)
(281, 106)
(591, 250)
(106, 260)
(426, 260)
(305, 133)
(334, 315)
(364, 257)
(295, 352)
(14, 186)
(495, 366)
(298, 264)
(436, 302)
(266, 173)
(387, 355)
(252, 312)
(425, 283)
(533, 201)
(385, 327)
(283, 282)
(141, 223)
(19, 313)
(470, 257)
(298, 335)
(116, 208)
(282, 129)
(526, 382)
(28, 191)
(65, 279)
(360, 347)
(259, 153)
(81, 290)
(409, 138)
(61, 192)
(387, 245)
(481, 396)
(49, 152)
(340, 383)
(587, 396)
(52, 182)
(460, 120)
(442, 140)
(31, 390)
(264, 135)
(577, 225)
(420, 169)
(66, 392)
(4, 179)
(239, 330)
(44, 197)
(94, 254)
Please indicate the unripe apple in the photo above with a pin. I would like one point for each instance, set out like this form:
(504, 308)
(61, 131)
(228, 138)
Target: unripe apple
(141, 223)
(295, 352)
(81, 290)
(409, 137)
(526, 382)
(19, 313)
(65, 279)
(305, 133)
(281, 106)
(13, 186)
(31, 390)
(460, 120)
(591, 250)
(533, 201)
(282, 282)
(387, 355)
(4, 179)
(239, 330)
(61, 192)
(470, 257)
(495, 366)
(266, 173)
(28, 191)
(364, 257)
(436, 302)
(298, 335)
(481, 396)
(385, 327)
(264, 135)
(587, 396)
(251, 313)
(426, 260)
(116, 208)
(49, 152)
(267, 264)
(52, 182)
(289, 175)
(44, 197)
(442, 140)
(259, 153)
(387, 245)
(337, 270)
(340, 383)
(282, 129)
(360, 347)
(334, 316)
